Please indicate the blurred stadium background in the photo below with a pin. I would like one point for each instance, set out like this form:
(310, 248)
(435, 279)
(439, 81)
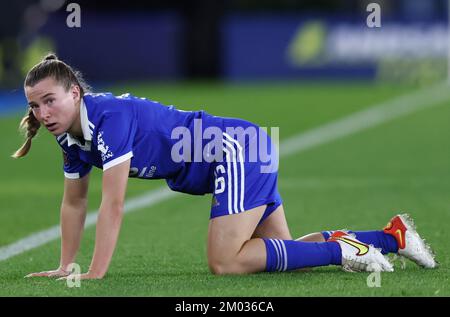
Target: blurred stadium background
(229, 39)
(297, 65)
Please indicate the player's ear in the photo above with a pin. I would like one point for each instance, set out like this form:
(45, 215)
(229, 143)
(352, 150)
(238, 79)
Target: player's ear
(75, 91)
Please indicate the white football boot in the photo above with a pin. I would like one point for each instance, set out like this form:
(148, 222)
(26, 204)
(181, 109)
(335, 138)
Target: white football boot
(410, 244)
(358, 256)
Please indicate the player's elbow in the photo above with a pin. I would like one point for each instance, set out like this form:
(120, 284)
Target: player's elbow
(113, 208)
(75, 203)
(117, 210)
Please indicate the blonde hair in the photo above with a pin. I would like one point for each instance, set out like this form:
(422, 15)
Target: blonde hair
(30, 125)
(50, 66)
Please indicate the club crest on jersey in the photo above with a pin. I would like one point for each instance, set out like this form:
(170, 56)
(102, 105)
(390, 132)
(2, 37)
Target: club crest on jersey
(103, 148)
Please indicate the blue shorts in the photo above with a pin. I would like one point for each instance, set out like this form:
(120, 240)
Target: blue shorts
(247, 176)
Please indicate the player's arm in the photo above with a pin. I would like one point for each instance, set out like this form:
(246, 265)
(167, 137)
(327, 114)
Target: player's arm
(73, 215)
(115, 137)
(110, 218)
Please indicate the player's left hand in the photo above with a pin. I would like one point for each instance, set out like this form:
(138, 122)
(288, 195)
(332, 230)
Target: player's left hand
(84, 276)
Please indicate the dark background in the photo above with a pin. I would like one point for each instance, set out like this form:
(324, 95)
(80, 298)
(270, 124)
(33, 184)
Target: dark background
(200, 41)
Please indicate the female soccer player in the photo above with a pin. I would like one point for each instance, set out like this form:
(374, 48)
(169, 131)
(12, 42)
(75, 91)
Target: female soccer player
(127, 137)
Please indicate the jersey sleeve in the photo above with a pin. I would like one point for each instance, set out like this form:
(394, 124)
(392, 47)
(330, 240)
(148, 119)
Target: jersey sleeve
(115, 137)
(74, 168)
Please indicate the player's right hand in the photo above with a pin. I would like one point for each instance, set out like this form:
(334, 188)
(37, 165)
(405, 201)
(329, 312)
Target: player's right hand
(59, 272)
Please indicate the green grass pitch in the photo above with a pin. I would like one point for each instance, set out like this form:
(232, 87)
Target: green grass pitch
(356, 182)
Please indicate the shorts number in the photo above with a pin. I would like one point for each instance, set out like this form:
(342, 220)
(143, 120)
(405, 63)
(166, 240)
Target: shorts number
(220, 181)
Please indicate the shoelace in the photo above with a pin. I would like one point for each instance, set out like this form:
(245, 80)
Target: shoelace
(354, 265)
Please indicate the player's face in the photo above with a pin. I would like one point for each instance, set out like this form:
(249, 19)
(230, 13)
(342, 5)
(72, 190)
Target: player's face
(53, 106)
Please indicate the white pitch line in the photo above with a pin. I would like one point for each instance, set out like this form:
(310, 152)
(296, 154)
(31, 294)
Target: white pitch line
(356, 122)
(42, 237)
(365, 119)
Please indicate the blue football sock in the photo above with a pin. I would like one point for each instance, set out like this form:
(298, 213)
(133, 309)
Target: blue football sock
(285, 255)
(379, 239)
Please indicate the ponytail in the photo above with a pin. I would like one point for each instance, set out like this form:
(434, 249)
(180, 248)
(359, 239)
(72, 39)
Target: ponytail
(30, 125)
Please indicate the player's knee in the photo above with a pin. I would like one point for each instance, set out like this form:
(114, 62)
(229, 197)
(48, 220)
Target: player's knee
(218, 267)
(224, 266)
(226, 269)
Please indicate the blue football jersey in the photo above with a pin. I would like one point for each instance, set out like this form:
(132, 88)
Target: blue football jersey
(118, 128)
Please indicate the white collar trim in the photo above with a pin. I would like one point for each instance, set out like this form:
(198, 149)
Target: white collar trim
(85, 127)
